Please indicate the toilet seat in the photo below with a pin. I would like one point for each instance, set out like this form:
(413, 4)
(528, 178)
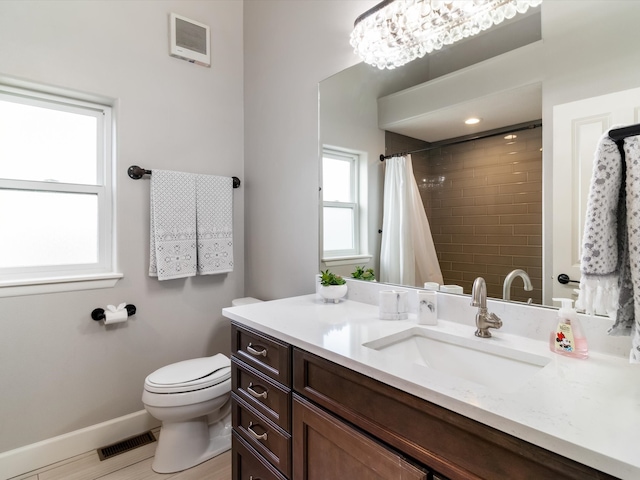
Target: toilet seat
(189, 375)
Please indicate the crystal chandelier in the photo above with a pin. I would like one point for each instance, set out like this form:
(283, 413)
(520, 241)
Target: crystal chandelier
(395, 32)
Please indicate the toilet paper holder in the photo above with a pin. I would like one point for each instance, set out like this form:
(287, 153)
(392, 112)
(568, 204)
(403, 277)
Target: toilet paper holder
(98, 313)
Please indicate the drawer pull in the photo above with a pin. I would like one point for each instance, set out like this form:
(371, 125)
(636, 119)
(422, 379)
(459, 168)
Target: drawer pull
(255, 435)
(255, 352)
(256, 394)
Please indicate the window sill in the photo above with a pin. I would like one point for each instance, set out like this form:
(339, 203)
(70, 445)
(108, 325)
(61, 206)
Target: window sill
(348, 260)
(35, 286)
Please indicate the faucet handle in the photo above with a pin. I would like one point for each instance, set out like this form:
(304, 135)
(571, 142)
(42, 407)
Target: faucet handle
(495, 320)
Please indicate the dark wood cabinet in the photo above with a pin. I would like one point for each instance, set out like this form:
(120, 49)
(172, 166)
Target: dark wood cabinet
(326, 448)
(261, 406)
(298, 416)
(450, 443)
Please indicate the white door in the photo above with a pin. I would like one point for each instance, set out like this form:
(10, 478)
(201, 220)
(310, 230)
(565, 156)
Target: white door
(577, 127)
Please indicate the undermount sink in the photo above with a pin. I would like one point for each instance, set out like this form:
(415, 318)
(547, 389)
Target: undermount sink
(481, 361)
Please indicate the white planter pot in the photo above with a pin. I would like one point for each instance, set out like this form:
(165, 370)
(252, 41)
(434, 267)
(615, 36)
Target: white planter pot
(333, 293)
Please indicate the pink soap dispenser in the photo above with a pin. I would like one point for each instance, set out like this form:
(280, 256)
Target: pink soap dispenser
(568, 338)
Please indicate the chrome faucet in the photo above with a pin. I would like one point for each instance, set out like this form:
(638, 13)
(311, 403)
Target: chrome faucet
(484, 319)
(506, 287)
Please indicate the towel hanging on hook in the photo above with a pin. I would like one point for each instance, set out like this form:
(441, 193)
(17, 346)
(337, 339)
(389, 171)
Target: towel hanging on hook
(616, 134)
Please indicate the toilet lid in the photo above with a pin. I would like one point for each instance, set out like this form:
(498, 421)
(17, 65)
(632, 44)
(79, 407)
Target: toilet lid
(190, 375)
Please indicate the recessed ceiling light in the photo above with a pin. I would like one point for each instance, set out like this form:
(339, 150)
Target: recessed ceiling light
(472, 121)
(511, 136)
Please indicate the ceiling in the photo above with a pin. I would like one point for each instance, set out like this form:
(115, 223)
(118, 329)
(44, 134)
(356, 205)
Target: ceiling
(495, 111)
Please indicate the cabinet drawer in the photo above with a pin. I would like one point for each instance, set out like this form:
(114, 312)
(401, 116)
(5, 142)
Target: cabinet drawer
(248, 464)
(266, 438)
(268, 355)
(262, 393)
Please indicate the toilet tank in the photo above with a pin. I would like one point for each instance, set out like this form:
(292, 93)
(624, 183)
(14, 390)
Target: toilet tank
(236, 302)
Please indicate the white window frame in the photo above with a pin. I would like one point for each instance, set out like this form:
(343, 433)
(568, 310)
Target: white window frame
(57, 278)
(354, 205)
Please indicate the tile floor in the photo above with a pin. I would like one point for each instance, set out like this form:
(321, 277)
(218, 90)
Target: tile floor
(132, 465)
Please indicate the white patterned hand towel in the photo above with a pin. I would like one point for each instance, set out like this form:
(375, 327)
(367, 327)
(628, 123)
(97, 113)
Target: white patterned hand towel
(610, 263)
(214, 200)
(173, 225)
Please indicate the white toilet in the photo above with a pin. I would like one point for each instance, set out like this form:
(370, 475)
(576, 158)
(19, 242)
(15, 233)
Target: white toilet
(192, 399)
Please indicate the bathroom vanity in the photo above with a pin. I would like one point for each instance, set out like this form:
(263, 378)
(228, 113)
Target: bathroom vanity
(315, 396)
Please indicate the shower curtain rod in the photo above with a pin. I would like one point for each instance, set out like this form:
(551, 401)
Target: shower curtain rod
(468, 138)
(136, 173)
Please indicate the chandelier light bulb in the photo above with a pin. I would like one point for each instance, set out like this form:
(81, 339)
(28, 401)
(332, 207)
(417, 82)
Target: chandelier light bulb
(395, 32)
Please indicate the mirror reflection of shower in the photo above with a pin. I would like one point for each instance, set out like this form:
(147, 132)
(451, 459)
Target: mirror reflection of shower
(483, 197)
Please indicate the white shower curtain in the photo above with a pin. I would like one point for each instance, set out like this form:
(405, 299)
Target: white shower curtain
(407, 254)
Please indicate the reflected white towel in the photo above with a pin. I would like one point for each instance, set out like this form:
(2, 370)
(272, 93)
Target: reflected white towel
(214, 200)
(173, 225)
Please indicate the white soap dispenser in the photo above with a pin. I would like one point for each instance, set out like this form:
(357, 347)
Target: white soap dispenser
(568, 338)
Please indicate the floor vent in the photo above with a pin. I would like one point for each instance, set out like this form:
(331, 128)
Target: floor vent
(126, 445)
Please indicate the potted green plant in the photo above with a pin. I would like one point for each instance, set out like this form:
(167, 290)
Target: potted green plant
(332, 287)
(361, 274)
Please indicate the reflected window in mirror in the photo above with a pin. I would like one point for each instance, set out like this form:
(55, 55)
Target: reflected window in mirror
(340, 203)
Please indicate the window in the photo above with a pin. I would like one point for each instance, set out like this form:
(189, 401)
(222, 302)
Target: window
(55, 188)
(340, 204)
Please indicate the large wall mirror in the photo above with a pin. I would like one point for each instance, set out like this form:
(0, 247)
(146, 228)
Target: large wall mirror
(531, 75)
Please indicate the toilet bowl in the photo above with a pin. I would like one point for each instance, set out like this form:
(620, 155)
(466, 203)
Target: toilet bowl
(192, 400)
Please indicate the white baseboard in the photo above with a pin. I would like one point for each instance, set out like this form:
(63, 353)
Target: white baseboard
(52, 450)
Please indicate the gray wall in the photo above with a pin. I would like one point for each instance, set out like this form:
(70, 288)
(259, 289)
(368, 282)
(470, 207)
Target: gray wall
(59, 370)
(289, 47)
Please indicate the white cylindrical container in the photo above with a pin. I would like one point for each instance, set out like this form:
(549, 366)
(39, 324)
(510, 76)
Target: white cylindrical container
(393, 305)
(428, 308)
(451, 289)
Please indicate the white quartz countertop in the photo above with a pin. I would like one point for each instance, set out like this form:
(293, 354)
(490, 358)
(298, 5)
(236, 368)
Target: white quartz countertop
(586, 410)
